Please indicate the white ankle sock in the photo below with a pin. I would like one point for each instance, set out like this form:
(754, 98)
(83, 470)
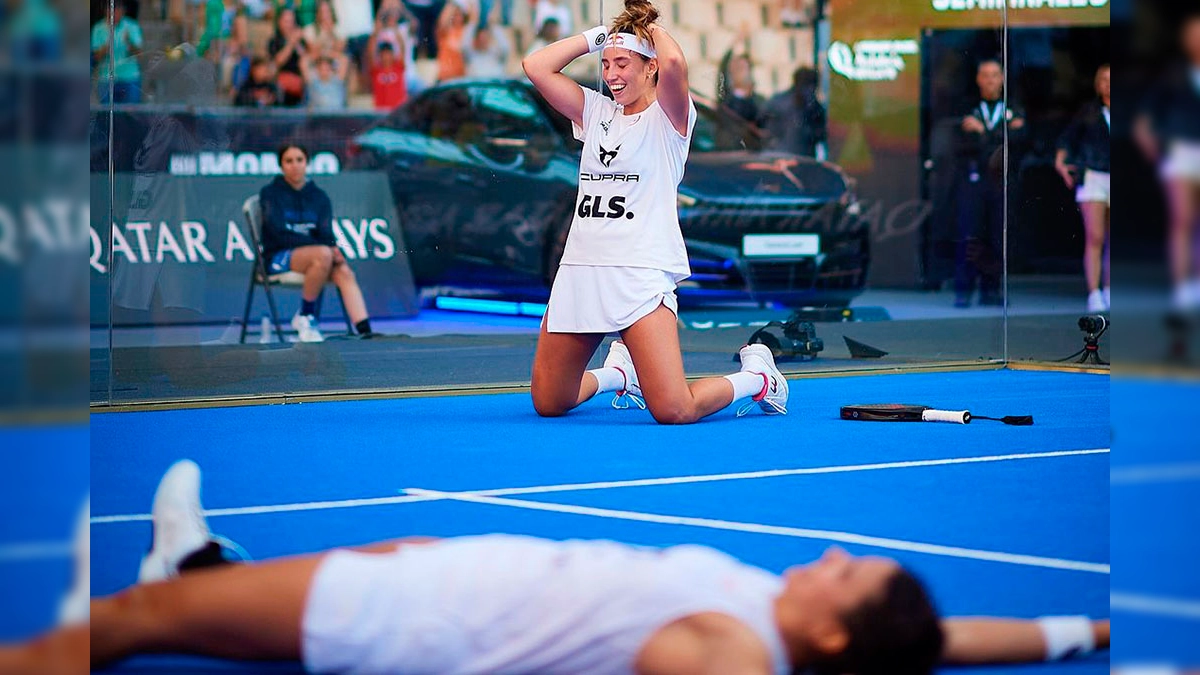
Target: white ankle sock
(746, 384)
(610, 379)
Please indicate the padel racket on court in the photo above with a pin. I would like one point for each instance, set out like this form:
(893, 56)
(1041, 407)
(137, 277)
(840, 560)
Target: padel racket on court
(901, 412)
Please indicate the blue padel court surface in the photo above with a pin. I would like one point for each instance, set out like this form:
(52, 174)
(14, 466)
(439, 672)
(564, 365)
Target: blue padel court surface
(998, 520)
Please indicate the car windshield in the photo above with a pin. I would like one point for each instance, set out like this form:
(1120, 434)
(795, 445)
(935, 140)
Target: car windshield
(717, 129)
(721, 130)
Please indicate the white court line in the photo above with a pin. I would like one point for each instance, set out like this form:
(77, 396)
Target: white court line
(1149, 604)
(1154, 473)
(34, 550)
(274, 508)
(802, 533)
(775, 473)
(640, 482)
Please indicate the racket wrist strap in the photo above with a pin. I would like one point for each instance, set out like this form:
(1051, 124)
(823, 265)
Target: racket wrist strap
(596, 37)
(1067, 636)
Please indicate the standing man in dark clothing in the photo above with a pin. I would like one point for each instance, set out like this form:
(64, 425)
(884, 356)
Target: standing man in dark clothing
(297, 236)
(795, 118)
(979, 254)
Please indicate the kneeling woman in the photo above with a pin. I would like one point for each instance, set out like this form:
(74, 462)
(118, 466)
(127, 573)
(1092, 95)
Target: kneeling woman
(625, 251)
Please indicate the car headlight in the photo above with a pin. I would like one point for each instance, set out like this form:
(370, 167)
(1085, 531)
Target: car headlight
(849, 200)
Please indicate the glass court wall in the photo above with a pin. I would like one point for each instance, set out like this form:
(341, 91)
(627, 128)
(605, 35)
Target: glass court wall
(879, 177)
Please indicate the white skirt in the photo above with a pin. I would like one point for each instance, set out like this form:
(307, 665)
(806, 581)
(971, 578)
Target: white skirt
(1096, 187)
(1183, 161)
(594, 299)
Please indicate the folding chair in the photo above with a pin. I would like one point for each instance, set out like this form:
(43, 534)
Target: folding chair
(252, 212)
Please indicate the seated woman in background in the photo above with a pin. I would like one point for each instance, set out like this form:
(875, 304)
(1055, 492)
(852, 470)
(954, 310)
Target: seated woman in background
(297, 236)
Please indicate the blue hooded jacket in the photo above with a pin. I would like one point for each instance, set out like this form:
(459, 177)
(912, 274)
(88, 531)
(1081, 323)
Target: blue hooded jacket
(294, 218)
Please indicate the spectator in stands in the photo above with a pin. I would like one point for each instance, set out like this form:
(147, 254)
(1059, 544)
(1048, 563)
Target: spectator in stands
(117, 64)
(259, 90)
(258, 9)
(545, 10)
(297, 235)
(426, 13)
(487, 55)
(402, 29)
(325, 77)
(385, 71)
(549, 34)
(795, 119)
(306, 10)
(35, 33)
(453, 31)
(355, 21)
(218, 23)
(287, 49)
(322, 35)
(235, 55)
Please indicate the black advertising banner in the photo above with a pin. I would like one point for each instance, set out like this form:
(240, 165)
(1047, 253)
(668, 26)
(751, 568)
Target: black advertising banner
(179, 250)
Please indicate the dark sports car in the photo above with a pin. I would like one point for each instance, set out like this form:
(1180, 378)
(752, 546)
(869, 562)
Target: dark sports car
(485, 176)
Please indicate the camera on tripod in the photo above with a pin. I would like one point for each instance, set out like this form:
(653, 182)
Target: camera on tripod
(1093, 325)
(794, 339)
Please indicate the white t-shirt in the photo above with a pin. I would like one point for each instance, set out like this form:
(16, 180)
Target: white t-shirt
(514, 604)
(547, 9)
(626, 212)
(354, 17)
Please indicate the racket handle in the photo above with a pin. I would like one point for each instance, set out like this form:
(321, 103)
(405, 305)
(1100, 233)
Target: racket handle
(956, 416)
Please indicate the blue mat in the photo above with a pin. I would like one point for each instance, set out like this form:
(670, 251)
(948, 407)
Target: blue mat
(1156, 518)
(43, 484)
(970, 500)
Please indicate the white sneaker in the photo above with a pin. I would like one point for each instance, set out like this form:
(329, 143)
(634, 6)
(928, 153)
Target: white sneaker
(76, 605)
(1095, 301)
(306, 326)
(618, 357)
(757, 358)
(1107, 299)
(179, 528)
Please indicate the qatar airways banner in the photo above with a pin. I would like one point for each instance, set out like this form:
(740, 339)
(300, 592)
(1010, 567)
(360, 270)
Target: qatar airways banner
(179, 250)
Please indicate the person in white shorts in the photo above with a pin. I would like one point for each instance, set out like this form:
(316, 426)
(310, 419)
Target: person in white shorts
(1085, 144)
(1168, 132)
(515, 604)
(625, 254)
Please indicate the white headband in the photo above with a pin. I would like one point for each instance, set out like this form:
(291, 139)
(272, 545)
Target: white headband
(633, 43)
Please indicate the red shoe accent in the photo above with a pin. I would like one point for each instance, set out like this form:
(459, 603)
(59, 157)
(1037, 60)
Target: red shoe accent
(624, 377)
(762, 394)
